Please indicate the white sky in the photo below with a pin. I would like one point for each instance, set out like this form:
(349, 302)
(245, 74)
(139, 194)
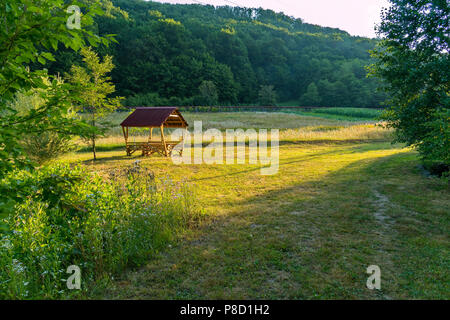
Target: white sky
(357, 17)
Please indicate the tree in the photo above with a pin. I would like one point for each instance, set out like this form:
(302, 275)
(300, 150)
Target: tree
(96, 86)
(30, 30)
(413, 62)
(170, 50)
(311, 96)
(267, 96)
(208, 93)
(41, 146)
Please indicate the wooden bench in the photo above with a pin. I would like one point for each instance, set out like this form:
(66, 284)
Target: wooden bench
(148, 148)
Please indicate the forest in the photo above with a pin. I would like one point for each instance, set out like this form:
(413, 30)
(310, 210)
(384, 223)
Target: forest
(165, 53)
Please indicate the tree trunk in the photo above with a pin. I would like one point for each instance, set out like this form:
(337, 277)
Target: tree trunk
(93, 138)
(93, 148)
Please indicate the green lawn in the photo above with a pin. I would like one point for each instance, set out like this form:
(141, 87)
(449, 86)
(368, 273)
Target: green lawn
(347, 114)
(344, 198)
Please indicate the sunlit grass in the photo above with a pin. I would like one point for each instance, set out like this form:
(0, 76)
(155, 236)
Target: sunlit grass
(236, 120)
(308, 232)
(291, 126)
(366, 132)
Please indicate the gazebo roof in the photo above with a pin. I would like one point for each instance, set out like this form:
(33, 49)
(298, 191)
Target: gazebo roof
(170, 117)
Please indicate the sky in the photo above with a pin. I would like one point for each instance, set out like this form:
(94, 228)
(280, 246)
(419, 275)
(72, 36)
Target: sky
(357, 17)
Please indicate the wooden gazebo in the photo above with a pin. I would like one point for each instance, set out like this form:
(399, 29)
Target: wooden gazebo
(153, 117)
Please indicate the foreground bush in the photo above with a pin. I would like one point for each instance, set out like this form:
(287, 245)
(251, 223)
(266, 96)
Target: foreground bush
(41, 146)
(67, 216)
(412, 61)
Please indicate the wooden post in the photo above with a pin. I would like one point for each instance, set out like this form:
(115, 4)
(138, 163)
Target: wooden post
(182, 140)
(125, 135)
(151, 135)
(163, 141)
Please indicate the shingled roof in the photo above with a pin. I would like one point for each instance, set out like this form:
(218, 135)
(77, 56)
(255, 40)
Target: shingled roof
(170, 117)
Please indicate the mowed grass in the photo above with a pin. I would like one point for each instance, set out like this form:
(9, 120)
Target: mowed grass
(344, 198)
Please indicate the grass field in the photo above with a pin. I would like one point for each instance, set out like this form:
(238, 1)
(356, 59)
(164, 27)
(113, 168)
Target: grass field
(344, 198)
(347, 114)
(298, 126)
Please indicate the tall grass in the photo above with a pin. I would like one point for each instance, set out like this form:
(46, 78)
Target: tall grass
(362, 132)
(349, 114)
(69, 216)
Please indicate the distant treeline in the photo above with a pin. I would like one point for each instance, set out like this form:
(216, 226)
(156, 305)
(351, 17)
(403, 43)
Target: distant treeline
(165, 52)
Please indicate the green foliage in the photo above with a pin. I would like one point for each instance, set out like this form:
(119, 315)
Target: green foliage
(208, 93)
(435, 146)
(311, 96)
(43, 146)
(267, 96)
(146, 99)
(96, 87)
(65, 215)
(153, 99)
(413, 62)
(30, 32)
(170, 50)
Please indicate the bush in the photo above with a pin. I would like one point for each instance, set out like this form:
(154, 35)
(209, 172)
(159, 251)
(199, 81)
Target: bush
(153, 99)
(267, 96)
(435, 146)
(67, 216)
(40, 147)
(47, 146)
(150, 99)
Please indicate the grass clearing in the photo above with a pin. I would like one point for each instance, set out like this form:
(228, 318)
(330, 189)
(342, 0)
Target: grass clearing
(344, 198)
(293, 127)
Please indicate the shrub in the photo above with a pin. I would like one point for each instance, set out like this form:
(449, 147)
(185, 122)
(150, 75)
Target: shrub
(435, 146)
(267, 96)
(67, 216)
(43, 146)
(208, 93)
(153, 99)
(145, 100)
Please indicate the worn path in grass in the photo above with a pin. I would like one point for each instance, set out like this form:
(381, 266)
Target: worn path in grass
(308, 232)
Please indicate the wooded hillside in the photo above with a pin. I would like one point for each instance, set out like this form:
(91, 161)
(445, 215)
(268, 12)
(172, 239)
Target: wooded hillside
(165, 52)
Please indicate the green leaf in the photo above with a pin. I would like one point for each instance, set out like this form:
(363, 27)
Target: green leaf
(48, 56)
(34, 9)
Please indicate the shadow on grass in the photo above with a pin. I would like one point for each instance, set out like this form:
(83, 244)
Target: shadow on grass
(319, 142)
(103, 160)
(311, 240)
(335, 220)
(285, 162)
(282, 163)
(101, 148)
